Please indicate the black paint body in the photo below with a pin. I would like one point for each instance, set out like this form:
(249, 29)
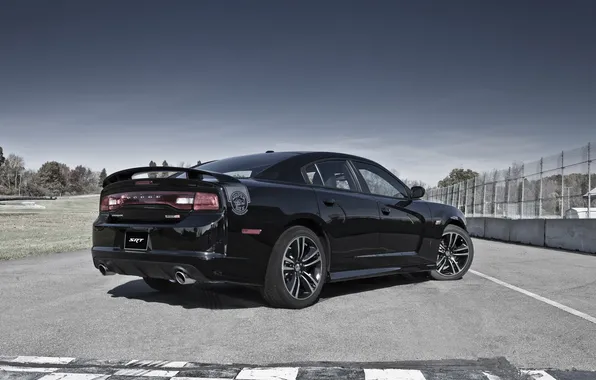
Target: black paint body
(365, 234)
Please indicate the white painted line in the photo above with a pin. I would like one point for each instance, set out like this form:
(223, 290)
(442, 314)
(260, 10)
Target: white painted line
(200, 378)
(146, 372)
(568, 309)
(277, 373)
(538, 375)
(42, 360)
(156, 363)
(490, 376)
(160, 373)
(9, 368)
(73, 376)
(393, 374)
(146, 363)
(174, 364)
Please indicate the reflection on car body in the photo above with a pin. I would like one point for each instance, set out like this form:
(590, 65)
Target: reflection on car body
(285, 222)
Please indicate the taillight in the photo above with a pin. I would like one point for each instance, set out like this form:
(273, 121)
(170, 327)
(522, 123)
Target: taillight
(175, 199)
(206, 201)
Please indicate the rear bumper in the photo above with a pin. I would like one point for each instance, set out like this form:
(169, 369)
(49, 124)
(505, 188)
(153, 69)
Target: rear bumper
(203, 267)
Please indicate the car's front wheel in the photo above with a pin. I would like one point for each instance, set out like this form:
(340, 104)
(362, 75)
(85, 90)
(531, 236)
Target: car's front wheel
(296, 270)
(456, 253)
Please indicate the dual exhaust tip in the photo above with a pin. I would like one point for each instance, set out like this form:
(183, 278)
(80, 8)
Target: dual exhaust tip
(180, 276)
(104, 270)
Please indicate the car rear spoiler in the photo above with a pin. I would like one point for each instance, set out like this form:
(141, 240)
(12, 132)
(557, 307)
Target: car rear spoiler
(126, 174)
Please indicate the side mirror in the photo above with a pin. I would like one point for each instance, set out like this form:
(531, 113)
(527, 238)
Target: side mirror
(418, 192)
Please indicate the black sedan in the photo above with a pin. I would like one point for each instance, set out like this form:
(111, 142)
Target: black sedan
(285, 222)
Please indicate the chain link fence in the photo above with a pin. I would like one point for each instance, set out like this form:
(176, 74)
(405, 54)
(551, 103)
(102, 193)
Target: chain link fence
(558, 186)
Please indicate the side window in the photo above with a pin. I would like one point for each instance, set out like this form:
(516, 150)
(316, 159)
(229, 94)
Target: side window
(333, 173)
(313, 176)
(380, 182)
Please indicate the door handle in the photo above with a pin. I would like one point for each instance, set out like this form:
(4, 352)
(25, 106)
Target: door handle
(329, 202)
(385, 210)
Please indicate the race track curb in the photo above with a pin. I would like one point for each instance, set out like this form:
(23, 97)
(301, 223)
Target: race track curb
(69, 368)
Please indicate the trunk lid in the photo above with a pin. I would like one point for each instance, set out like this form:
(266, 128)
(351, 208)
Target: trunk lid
(155, 199)
(159, 200)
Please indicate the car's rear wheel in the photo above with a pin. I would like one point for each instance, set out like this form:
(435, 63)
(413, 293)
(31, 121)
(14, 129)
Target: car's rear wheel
(296, 270)
(162, 285)
(456, 253)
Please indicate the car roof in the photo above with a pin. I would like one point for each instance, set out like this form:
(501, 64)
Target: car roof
(283, 165)
(288, 168)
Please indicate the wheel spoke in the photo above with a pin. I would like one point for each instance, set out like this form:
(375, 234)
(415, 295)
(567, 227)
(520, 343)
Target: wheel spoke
(311, 255)
(443, 266)
(452, 240)
(303, 249)
(286, 268)
(456, 265)
(307, 280)
(298, 248)
(295, 286)
(317, 260)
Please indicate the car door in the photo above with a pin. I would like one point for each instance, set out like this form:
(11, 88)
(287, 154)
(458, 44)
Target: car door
(351, 216)
(402, 220)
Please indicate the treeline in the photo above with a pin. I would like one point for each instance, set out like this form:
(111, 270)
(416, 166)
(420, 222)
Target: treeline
(51, 179)
(165, 164)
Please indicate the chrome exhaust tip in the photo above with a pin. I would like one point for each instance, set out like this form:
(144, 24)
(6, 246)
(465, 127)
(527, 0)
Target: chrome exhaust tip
(104, 270)
(182, 278)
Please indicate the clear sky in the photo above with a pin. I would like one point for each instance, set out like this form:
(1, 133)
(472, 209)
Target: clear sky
(420, 86)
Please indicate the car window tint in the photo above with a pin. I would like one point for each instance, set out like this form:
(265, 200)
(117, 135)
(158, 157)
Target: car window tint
(380, 182)
(313, 175)
(334, 174)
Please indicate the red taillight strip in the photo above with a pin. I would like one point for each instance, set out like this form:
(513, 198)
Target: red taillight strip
(179, 200)
(206, 201)
(251, 231)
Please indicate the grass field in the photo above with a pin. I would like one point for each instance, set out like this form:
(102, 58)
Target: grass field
(63, 226)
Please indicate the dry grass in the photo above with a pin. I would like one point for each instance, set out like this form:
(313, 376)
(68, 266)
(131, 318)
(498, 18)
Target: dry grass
(63, 226)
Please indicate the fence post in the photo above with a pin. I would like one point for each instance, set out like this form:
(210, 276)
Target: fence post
(466, 198)
(562, 183)
(483, 196)
(523, 190)
(540, 190)
(459, 192)
(506, 195)
(589, 180)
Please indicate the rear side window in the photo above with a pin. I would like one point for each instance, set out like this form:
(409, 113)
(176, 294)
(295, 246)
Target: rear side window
(334, 174)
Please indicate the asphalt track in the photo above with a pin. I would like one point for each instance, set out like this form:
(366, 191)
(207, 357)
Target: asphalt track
(534, 307)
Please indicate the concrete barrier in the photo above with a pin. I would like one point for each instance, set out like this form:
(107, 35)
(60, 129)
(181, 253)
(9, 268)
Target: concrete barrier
(527, 231)
(572, 234)
(497, 229)
(568, 234)
(475, 226)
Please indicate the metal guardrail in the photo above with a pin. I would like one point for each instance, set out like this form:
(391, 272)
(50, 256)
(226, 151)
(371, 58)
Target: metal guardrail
(557, 186)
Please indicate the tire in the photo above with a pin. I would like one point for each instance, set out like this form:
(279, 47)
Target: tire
(275, 291)
(454, 230)
(162, 285)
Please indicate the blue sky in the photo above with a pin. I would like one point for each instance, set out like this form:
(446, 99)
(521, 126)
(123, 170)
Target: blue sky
(419, 86)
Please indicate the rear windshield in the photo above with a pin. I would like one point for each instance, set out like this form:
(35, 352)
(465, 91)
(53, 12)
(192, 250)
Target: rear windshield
(245, 166)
